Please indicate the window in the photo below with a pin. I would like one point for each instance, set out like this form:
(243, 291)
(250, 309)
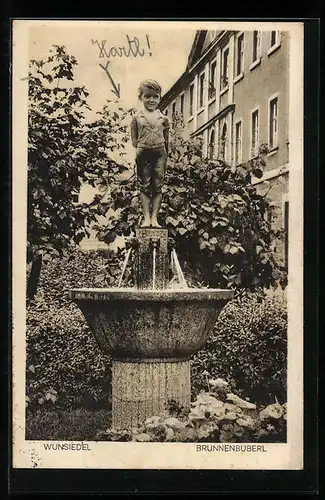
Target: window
(201, 90)
(191, 99)
(211, 145)
(224, 70)
(173, 108)
(223, 141)
(238, 143)
(256, 46)
(274, 38)
(240, 55)
(182, 104)
(275, 41)
(255, 133)
(212, 79)
(273, 123)
(286, 233)
(75, 197)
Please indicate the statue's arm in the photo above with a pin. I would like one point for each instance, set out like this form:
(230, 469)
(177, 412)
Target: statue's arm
(134, 132)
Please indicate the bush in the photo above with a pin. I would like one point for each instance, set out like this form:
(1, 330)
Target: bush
(79, 269)
(215, 416)
(65, 367)
(248, 348)
(76, 425)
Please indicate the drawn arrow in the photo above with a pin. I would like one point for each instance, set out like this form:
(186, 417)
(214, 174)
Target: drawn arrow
(117, 88)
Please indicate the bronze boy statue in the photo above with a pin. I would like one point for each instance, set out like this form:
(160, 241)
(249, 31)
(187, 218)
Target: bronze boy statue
(149, 133)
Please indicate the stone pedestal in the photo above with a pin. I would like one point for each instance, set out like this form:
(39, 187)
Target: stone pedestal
(151, 332)
(148, 240)
(142, 388)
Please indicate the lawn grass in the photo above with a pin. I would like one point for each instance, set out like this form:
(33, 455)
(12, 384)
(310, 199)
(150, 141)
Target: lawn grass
(72, 425)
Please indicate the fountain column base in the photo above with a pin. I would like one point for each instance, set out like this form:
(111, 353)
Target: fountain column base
(142, 388)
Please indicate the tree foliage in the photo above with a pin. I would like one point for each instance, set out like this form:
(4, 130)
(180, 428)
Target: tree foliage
(65, 150)
(219, 224)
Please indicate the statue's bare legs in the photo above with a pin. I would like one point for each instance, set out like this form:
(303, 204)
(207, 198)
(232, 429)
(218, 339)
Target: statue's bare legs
(156, 202)
(145, 202)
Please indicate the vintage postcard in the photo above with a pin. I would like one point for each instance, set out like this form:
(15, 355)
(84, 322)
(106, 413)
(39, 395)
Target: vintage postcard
(157, 187)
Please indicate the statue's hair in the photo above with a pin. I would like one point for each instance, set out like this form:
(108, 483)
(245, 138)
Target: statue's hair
(149, 84)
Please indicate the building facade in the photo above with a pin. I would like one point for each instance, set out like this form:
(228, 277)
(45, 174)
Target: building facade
(234, 95)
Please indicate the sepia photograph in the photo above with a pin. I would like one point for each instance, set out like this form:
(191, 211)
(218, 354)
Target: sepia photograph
(157, 244)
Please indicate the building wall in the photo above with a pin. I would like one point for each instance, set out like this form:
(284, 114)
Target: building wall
(253, 90)
(267, 78)
(224, 99)
(212, 109)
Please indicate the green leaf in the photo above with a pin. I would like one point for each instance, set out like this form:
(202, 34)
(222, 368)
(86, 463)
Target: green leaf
(171, 220)
(219, 222)
(204, 245)
(208, 209)
(258, 173)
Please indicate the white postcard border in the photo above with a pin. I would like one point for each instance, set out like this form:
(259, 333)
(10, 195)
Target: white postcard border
(32, 454)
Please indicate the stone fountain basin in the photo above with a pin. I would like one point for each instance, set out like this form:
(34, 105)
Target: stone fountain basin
(151, 324)
(129, 323)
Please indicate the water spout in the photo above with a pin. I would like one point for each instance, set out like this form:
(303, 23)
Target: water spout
(124, 267)
(178, 268)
